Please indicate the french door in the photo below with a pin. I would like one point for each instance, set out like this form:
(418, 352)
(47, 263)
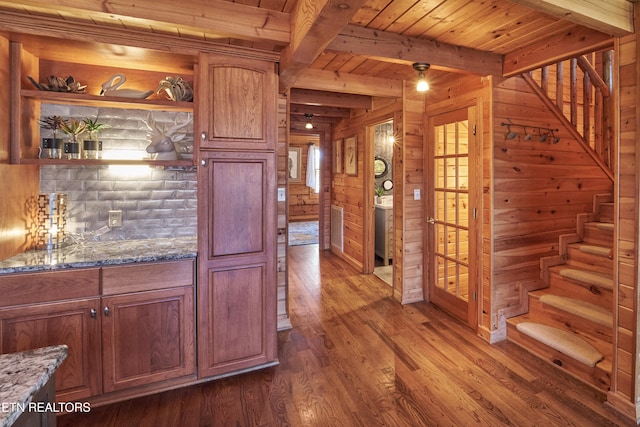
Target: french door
(451, 214)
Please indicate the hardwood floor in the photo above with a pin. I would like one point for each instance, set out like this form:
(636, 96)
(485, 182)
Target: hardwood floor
(355, 357)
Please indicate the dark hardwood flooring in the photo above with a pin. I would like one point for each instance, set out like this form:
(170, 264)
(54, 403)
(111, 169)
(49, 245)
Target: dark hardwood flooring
(355, 357)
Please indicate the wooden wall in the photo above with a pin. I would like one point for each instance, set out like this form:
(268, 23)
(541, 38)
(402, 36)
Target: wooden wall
(626, 387)
(282, 279)
(537, 190)
(409, 218)
(304, 203)
(350, 192)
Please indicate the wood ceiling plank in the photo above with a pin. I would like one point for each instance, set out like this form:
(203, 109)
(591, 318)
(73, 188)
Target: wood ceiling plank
(369, 11)
(319, 111)
(224, 18)
(614, 17)
(313, 25)
(417, 12)
(379, 44)
(349, 83)
(578, 41)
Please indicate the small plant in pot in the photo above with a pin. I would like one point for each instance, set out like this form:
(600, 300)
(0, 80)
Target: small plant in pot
(92, 147)
(73, 128)
(379, 193)
(52, 146)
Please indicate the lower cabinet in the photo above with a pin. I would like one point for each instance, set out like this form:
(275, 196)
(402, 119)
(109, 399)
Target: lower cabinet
(147, 337)
(74, 323)
(117, 341)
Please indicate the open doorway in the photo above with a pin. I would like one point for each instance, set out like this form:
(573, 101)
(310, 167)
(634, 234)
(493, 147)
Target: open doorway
(383, 141)
(304, 190)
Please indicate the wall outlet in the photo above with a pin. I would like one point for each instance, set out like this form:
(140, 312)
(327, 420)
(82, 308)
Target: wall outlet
(115, 219)
(282, 195)
(416, 194)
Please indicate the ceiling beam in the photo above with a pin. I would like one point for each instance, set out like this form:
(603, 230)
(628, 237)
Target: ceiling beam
(212, 16)
(329, 99)
(314, 23)
(614, 17)
(402, 49)
(333, 81)
(571, 44)
(319, 111)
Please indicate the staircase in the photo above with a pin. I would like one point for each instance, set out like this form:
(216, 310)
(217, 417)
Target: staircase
(570, 320)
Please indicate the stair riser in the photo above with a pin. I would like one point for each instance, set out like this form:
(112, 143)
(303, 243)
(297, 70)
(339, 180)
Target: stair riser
(568, 288)
(597, 236)
(587, 261)
(596, 376)
(598, 335)
(606, 212)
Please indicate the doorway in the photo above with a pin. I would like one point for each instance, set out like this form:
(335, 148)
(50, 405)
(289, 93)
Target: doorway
(304, 201)
(383, 142)
(451, 213)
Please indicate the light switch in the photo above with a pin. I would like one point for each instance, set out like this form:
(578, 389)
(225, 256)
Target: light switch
(416, 194)
(282, 194)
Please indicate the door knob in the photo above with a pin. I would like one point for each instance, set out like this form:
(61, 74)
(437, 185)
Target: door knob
(431, 220)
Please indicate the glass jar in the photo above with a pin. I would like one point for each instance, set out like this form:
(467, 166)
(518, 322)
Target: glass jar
(51, 148)
(91, 149)
(72, 147)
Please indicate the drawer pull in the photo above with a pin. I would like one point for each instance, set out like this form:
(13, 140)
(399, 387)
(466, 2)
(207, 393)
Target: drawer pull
(93, 313)
(106, 311)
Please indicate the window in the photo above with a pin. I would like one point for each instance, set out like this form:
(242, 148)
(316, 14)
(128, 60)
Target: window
(316, 157)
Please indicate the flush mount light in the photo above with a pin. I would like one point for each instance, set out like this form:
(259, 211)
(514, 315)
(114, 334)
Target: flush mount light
(421, 67)
(309, 125)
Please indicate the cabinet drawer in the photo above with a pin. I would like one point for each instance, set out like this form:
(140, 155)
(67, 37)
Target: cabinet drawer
(34, 288)
(146, 276)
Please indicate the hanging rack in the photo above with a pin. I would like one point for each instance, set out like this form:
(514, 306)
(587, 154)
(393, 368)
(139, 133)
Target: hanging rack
(542, 137)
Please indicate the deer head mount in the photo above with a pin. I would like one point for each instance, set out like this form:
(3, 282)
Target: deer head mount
(162, 144)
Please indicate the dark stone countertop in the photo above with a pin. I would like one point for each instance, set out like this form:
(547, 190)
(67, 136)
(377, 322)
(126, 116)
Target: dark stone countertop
(22, 375)
(97, 254)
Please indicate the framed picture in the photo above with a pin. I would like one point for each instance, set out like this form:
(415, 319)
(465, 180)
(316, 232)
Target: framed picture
(351, 155)
(295, 159)
(338, 163)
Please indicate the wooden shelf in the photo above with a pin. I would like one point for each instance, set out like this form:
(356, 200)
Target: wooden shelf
(107, 101)
(107, 162)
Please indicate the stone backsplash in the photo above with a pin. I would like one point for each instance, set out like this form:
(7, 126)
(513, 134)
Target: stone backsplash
(155, 202)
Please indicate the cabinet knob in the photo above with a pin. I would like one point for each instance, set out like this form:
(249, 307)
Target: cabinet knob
(106, 311)
(203, 136)
(203, 162)
(93, 313)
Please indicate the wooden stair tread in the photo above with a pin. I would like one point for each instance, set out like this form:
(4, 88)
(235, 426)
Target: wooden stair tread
(562, 341)
(594, 249)
(604, 225)
(579, 308)
(589, 277)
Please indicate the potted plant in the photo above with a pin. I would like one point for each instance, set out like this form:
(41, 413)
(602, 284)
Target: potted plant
(73, 128)
(51, 147)
(92, 147)
(379, 193)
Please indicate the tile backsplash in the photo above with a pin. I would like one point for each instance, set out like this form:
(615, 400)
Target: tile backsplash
(155, 202)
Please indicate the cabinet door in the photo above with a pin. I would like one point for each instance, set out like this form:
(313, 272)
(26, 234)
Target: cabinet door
(73, 323)
(147, 337)
(237, 270)
(238, 103)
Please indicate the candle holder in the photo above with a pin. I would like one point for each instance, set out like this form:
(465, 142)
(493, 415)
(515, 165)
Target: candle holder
(52, 222)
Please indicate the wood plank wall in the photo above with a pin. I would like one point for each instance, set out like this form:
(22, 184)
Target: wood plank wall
(348, 191)
(304, 203)
(282, 276)
(627, 385)
(537, 191)
(411, 220)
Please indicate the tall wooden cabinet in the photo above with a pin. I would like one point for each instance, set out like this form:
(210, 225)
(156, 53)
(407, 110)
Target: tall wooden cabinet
(237, 216)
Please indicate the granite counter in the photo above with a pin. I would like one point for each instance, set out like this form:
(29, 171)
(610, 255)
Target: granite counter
(96, 254)
(22, 375)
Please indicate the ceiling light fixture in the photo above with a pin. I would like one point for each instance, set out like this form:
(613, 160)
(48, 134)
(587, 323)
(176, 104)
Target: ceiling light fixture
(309, 125)
(421, 67)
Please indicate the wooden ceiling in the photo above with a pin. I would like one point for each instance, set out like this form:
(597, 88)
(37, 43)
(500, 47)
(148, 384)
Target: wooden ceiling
(356, 48)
